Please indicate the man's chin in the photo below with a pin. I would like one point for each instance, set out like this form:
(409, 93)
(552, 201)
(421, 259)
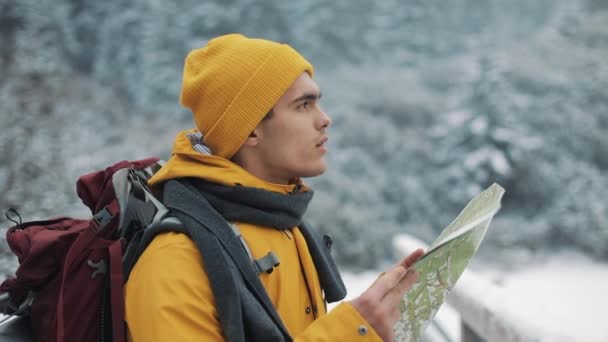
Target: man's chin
(315, 172)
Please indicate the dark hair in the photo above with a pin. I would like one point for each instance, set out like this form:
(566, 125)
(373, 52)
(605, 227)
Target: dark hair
(268, 115)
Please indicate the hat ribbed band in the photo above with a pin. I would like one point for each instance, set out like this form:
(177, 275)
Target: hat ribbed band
(255, 99)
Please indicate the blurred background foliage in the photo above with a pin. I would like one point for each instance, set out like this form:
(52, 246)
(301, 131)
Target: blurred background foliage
(432, 101)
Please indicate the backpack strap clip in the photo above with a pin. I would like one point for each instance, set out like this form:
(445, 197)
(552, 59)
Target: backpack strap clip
(102, 217)
(105, 215)
(267, 263)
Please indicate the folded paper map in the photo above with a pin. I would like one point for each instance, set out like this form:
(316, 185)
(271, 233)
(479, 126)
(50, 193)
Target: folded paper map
(443, 263)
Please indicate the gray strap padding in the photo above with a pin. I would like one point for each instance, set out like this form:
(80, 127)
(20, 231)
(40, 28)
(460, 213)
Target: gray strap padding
(238, 234)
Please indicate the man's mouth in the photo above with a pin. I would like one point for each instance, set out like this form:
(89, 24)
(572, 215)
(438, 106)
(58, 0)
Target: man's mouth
(322, 142)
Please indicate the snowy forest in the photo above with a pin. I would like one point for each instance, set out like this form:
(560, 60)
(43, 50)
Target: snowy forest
(431, 101)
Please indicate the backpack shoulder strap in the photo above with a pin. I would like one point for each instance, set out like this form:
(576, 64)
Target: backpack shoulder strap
(212, 234)
(142, 239)
(168, 223)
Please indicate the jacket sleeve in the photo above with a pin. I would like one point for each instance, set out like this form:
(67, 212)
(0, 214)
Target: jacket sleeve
(343, 323)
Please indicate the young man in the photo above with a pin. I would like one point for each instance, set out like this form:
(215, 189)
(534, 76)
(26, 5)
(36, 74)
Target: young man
(259, 129)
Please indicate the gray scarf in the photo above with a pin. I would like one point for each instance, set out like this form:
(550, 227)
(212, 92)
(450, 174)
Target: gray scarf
(280, 211)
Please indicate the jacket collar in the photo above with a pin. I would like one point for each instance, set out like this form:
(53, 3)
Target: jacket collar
(185, 161)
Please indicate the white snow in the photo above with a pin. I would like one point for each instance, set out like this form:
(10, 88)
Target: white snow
(479, 125)
(494, 157)
(565, 294)
(562, 298)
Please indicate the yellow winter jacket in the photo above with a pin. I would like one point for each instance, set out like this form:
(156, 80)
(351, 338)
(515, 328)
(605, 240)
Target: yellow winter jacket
(169, 297)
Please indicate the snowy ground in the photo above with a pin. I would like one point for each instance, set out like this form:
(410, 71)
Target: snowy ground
(564, 295)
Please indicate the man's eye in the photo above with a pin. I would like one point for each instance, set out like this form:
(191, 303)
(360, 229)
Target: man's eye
(304, 105)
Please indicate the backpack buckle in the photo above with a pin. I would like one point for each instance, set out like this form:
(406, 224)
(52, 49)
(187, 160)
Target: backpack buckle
(102, 217)
(267, 263)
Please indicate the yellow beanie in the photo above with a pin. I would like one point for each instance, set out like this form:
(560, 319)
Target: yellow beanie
(232, 83)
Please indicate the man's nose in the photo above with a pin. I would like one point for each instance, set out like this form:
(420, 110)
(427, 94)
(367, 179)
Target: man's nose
(325, 120)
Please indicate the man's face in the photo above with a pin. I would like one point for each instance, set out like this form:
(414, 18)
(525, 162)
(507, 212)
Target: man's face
(292, 141)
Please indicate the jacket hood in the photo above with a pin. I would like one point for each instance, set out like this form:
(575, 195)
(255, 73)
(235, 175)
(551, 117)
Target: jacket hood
(185, 161)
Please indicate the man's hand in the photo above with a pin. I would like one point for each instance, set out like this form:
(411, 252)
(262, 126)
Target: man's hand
(379, 304)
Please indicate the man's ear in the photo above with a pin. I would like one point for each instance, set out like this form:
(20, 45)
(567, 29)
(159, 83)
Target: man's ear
(254, 137)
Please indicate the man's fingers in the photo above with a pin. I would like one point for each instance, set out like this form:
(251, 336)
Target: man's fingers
(379, 304)
(399, 290)
(386, 282)
(411, 259)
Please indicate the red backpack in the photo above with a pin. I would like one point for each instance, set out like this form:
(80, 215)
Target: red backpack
(69, 283)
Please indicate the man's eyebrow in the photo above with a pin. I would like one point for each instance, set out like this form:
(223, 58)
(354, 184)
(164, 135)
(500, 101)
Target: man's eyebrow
(307, 96)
